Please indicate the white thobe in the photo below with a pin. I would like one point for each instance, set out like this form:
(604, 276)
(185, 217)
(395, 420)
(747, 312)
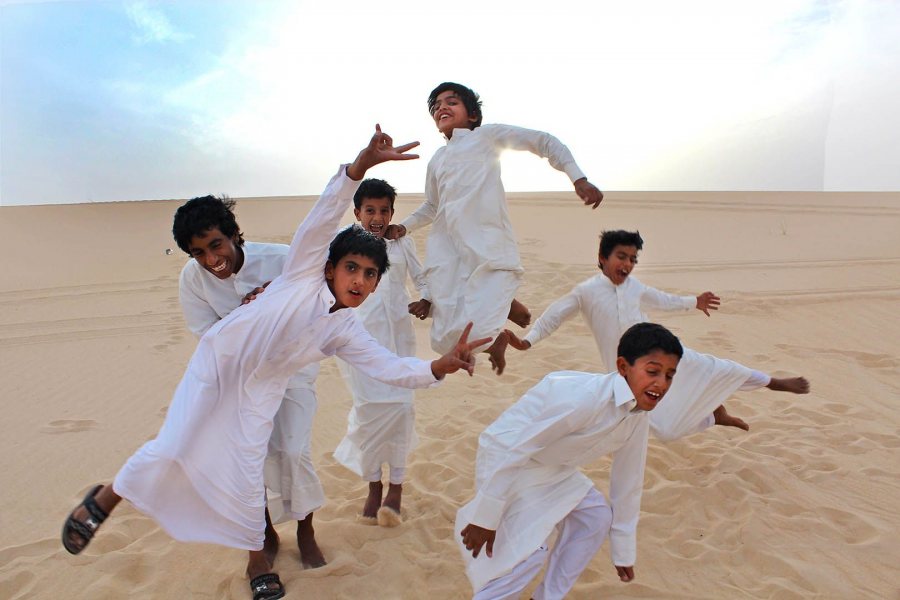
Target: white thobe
(290, 476)
(201, 479)
(472, 263)
(702, 382)
(527, 473)
(381, 424)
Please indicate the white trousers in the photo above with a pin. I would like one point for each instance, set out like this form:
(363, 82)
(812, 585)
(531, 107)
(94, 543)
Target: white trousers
(581, 534)
(294, 489)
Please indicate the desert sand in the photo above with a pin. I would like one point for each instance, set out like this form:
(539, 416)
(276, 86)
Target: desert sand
(805, 505)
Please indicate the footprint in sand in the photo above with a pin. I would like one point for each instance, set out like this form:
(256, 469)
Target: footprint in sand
(69, 426)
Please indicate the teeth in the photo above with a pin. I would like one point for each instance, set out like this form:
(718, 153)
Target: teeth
(220, 267)
(654, 394)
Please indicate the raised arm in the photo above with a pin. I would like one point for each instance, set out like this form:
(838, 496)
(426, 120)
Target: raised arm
(309, 248)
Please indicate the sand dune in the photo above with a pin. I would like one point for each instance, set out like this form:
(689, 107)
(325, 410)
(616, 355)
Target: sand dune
(92, 344)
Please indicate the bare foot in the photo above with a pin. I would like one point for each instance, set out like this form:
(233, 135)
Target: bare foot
(795, 385)
(723, 418)
(373, 501)
(519, 314)
(497, 352)
(389, 513)
(258, 564)
(310, 555)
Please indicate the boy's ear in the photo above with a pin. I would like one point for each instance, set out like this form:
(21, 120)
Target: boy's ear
(356, 213)
(622, 366)
(329, 271)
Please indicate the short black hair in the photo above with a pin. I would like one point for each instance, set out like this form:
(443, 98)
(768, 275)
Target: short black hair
(619, 237)
(643, 338)
(199, 215)
(469, 98)
(356, 240)
(374, 188)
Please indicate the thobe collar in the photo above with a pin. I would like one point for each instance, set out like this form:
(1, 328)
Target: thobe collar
(325, 295)
(459, 132)
(623, 395)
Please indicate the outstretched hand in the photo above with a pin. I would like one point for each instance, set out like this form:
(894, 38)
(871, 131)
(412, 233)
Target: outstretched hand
(626, 574)
(461, 357)
(380, 149)
(588, 192)
(474, 537)
(708, 301)
(516, 342)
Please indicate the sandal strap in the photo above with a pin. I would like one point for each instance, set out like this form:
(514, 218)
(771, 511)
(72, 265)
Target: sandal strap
(261, 583)
(98, 515)
(83, 530)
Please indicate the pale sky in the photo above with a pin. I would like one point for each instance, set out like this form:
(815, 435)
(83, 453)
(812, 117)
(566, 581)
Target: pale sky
(113, 100)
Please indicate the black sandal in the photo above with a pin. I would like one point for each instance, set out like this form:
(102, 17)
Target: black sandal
(87, 528)
(263, 587)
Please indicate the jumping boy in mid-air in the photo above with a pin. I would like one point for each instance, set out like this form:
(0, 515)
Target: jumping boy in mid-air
(528, 481)
(472, 262)
(613, 300)
(201, 479)
(381, 427)
(224, 272)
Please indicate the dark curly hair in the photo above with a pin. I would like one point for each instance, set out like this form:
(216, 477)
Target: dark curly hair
(356, 240)
(619, 237)
(199, 215)
(469, 98)
(642, 339)
(374, 188)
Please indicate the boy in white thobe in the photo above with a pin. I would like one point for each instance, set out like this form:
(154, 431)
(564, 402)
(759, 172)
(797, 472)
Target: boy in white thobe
(528, 480)
(472, 263)
(613, 300)
(381, 425)
(201, 479)
(226, 270)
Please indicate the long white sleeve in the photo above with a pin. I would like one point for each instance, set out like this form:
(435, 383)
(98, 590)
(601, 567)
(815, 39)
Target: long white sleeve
(198, 314)
(426, 212)
(364, 352)
(626, 482)
(540, 143)
(553, 316)
(552, 423)
(414, 267)
(654, 299)
(309, 248)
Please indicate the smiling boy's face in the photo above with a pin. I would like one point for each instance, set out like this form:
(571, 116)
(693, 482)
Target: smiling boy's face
(217, 253)
(449, 113)
(351, 280)
(374, 214)
(619, 264)
(649, 377)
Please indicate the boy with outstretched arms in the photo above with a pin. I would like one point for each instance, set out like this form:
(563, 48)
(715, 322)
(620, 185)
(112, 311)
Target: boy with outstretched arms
(201, 479)
(472, 258)
(528, 480)
(224, 272)
(614, 300)
(381, 427)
